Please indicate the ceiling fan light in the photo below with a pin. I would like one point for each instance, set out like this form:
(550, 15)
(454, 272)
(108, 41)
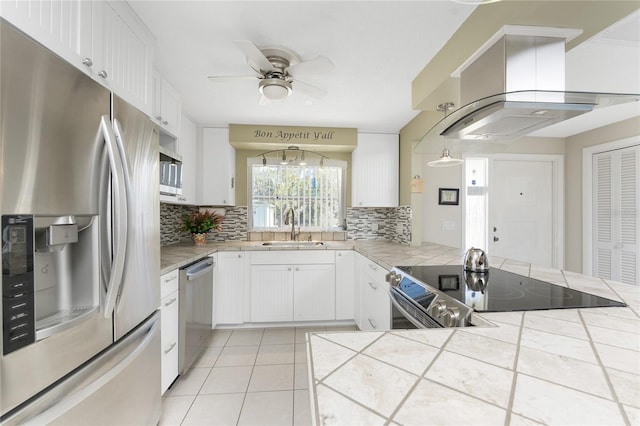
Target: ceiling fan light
(284, 158)
(274, 89)
(445, 160)
(302, 162)
(264, 160)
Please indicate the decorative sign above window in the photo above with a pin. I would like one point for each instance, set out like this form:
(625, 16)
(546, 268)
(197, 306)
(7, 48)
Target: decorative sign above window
(321, 138)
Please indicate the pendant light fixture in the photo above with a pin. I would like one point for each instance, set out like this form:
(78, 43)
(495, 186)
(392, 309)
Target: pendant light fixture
(445, 159)
(293, 156)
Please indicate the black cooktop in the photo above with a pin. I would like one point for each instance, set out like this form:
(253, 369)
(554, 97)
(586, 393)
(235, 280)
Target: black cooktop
(502, 291)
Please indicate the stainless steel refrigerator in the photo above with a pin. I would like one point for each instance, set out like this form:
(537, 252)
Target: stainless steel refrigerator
(80, 246)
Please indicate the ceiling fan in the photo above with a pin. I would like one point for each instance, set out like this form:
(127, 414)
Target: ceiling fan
(277, 70)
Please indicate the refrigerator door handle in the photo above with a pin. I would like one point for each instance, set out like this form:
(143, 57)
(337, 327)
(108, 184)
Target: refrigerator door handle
(120, 218)
(123, 156)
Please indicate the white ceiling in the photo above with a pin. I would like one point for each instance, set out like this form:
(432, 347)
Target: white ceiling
(377, 48)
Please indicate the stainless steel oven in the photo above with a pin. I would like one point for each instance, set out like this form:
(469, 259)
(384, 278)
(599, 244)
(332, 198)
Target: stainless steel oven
(417, 305)
(450, 296)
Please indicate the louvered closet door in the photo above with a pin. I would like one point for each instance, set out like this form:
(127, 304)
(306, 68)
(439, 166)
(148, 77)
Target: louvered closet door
(615, 211)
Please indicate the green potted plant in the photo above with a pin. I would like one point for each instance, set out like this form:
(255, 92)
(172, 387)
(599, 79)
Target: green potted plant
(199, 223)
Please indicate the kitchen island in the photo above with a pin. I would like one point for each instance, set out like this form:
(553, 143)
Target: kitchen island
(568, 366)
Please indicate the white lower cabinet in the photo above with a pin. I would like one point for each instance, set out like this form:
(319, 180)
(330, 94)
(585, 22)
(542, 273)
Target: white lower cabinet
(169, 328)
(314, 294)
(292, 286)
(271, 293)
(228, 296)
(375, 305)
(345, 285)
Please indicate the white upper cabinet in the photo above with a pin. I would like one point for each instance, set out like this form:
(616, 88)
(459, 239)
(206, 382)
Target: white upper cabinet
(127, 49)
(106, 40)
(375, 171)
(187, 149)
(216, 168)
(64, 27)
(167, 107)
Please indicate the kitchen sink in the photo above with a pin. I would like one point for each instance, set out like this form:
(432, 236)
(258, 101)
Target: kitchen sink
(291, 244)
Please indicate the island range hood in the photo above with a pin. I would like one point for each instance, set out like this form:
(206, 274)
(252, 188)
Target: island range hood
(515, 87)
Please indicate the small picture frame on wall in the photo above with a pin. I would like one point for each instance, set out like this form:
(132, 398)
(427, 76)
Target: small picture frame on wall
(448, 196)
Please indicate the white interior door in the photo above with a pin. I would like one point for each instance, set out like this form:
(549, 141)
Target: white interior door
(616, 229)
(521, 210)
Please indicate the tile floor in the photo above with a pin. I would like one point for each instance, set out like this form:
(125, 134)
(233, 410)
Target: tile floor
(245, 377)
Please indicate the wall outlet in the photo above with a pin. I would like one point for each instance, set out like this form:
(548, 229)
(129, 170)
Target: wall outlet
(374, 227)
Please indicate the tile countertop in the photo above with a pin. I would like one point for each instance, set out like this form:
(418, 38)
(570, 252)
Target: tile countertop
(178, 255)
(570, 366)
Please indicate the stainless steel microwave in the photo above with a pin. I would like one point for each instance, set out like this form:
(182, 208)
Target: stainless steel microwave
(170, 172)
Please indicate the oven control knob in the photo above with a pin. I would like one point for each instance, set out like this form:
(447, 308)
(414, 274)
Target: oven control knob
(438, 308)
(393, 278)
(451, 317)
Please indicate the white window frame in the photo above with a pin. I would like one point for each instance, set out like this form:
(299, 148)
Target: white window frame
(314, 163)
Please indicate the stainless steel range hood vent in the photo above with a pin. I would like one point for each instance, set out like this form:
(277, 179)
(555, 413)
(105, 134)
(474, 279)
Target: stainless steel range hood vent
(512, 89)
(510, 119)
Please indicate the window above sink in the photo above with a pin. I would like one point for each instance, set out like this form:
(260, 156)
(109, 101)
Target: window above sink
(315, 192)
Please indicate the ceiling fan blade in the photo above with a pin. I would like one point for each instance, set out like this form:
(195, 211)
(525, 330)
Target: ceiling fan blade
(308, 89)
(255, 58)
(319, 65)
(226, 78)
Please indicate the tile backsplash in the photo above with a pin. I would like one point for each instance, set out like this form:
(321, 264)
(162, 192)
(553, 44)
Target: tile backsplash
(379, 223)
(363, 223)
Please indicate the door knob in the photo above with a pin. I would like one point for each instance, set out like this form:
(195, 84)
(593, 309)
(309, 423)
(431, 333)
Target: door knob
(496, 239)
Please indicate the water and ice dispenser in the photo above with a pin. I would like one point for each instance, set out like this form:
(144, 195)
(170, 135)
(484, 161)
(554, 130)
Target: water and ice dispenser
(50, 275)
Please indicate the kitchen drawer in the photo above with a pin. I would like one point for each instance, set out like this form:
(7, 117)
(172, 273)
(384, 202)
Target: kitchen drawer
(375, 271)
(169, 315)
(168, 283)
(292, 257)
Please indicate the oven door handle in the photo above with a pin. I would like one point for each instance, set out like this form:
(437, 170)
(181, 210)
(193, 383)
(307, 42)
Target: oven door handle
(407, 315)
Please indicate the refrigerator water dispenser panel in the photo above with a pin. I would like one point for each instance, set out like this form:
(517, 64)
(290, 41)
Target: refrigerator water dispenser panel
(18, 307)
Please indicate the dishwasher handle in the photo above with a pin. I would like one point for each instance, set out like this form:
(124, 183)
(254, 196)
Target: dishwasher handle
(199, 269)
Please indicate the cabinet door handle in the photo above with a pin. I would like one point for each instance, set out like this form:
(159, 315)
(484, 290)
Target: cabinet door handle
(170, 279)
(373, 324)
(173, 345)
(159, 118)
(103, 74)
(87, 62)
(372, 285)
(339, 254)
(372, 266)
(170, 302)
(233, 181)
(288, 269)
(297, 269)
(165, 122)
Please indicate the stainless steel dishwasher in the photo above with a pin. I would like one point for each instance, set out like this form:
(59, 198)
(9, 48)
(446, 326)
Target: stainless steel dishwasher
(196, 293)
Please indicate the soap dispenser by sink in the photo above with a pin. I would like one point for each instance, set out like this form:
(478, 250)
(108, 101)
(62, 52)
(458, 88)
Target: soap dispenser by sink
(475, 260)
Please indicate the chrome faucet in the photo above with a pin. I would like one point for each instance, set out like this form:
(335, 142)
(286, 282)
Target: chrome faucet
(293, 224)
